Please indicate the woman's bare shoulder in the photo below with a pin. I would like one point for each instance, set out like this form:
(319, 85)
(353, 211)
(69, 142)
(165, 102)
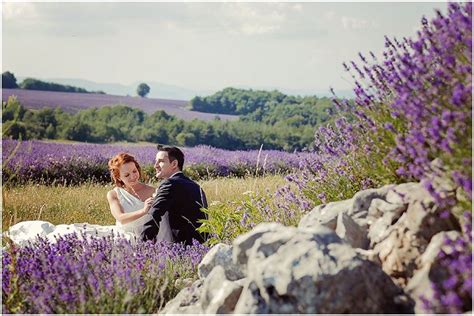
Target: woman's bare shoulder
(112, 194)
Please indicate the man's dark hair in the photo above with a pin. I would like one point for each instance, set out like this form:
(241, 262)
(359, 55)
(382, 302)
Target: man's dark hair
(174, 153)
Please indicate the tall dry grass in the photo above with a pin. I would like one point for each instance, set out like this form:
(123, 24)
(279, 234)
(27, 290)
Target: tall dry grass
(88, 203)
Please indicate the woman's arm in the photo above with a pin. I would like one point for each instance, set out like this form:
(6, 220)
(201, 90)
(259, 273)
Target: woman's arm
(117, 210)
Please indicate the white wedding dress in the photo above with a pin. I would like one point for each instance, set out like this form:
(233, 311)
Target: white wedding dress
(23, 232)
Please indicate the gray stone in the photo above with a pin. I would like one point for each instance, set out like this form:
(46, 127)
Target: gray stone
(379, 207)
(379, 230)
(398, 252)
(357, 208)
(435, 246)
(314, 271)
(220, 255)
(403, 232)
(186, 302)
(403, 193)
(368, 254)
(424, 219)
(325, 214)
(428, 270)
(250, 301)
(363, 199)
(220, 295)
(351, 232)
(243, 243)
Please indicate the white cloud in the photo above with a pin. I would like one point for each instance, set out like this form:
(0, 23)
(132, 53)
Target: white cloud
(320, 55)
(329, 15)
(23, 10)
(251, 19)
(256, 29)
(226, 43)
(354, 23)
(297, 7)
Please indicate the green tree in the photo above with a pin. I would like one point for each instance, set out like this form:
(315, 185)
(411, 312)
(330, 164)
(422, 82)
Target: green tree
(12, 110)
(15, 130)
(50, 131)
(77, 130)
(35, 84)
(9, 80)
(186, 139)
(143, 89)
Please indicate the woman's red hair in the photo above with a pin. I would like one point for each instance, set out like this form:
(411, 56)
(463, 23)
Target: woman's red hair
(117, 162)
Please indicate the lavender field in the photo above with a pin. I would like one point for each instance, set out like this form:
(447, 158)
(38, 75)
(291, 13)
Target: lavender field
(79, 275)
(76, 163)
(74, 102)
(412, 122)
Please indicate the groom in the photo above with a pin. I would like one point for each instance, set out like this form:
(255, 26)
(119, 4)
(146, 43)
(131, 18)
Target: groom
(178, 195)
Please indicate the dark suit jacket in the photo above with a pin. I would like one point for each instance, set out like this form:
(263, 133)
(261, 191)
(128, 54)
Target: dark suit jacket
(182, 198)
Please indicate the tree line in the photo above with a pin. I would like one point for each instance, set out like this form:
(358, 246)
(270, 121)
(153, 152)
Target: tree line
(288, 127)
(268, 107)
(9, 82)
(259, 105)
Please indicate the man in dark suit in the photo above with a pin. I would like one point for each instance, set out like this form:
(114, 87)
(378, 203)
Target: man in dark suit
(178, 195)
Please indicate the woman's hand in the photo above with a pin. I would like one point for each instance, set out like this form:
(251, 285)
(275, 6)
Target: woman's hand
(148, 202)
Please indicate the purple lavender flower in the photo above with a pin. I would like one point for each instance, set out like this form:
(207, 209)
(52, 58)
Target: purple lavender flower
(49, 163)
(77, 274)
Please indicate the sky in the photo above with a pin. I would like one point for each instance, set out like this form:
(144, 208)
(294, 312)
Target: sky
(202, 46)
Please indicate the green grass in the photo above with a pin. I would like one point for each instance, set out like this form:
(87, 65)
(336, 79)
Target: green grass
(88, 203)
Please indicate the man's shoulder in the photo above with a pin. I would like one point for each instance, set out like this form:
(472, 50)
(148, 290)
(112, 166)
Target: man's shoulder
(166, 182)
(181, 178)
(175, 180)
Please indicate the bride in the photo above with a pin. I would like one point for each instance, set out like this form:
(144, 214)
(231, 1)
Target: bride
(131, 200)
(129, 203)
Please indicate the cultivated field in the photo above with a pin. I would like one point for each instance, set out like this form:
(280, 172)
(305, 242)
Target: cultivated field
(74, 102)
(42, 162)
(88, 203)
(411, 121)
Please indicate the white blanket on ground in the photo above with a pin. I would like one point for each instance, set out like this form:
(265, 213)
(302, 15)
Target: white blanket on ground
(23, 232)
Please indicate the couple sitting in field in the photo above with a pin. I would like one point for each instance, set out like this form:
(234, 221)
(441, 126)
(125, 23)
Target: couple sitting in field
(171, 213)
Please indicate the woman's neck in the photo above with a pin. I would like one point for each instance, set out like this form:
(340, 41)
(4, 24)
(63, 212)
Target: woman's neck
(135, 187)
(134, 190)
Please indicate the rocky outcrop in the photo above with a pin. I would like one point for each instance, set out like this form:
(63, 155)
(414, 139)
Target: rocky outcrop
(313, 271)
(374, 253)
(291, 270)
(396, 222)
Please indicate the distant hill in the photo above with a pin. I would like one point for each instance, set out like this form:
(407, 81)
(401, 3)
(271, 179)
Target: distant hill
(157, 90)
(166, 91)
(74, 102)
